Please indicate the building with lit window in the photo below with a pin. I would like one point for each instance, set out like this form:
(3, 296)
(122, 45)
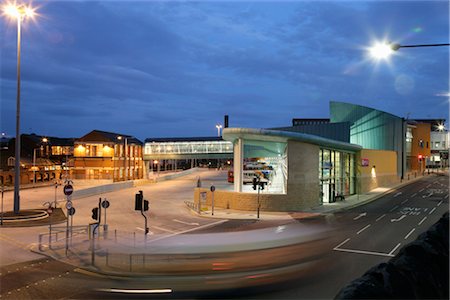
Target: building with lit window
(318, 161)
(108, 156)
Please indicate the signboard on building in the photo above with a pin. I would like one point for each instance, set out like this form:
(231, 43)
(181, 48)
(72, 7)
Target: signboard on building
(364, 162)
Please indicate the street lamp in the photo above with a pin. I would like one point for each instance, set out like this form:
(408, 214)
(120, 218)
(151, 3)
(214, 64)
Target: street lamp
(218, 126)
(19, 12)
(383, 50)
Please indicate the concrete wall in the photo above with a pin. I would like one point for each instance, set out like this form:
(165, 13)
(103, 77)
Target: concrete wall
(302, 186)
(381, 171)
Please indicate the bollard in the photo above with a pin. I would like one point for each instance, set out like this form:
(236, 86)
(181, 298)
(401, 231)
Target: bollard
(115, 236)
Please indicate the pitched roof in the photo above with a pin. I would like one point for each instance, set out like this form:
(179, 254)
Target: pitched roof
(108, 137)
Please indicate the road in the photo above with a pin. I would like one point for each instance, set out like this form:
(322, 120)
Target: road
(365, 236)
(372, 234)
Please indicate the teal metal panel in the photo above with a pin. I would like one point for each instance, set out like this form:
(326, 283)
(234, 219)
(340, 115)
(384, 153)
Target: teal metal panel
(371, 128)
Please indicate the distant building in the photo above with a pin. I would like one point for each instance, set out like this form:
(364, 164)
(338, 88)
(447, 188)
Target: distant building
(108, 156)
(38, 161)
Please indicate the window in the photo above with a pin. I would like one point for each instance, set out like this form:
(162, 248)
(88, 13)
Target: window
(436, 144)
(421, 143)
(11, 161)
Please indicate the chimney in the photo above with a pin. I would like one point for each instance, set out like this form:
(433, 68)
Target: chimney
(225, 122)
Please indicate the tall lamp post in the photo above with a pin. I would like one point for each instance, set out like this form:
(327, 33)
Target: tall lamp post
(19, 12)
(218, 126)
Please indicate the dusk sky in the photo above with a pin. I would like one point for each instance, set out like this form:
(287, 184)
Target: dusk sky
(174, 69)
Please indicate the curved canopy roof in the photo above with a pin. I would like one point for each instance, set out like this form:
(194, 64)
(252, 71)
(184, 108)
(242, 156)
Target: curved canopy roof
(277, 136)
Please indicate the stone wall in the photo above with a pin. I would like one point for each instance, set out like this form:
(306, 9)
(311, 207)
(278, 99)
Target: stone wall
(302, 186)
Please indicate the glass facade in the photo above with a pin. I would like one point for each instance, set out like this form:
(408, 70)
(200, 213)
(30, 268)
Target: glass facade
(336, 174)
(197, 147)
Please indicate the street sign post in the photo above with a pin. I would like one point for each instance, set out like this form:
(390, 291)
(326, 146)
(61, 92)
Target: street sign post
(213, 188)
(105, 205)
(68, 189)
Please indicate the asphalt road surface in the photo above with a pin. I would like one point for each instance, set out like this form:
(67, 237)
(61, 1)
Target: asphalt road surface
(364, 237)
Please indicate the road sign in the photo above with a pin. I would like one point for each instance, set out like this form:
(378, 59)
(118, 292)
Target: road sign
(69, 204)
(213, 188)
(105, 204)
(71, 211)
(68, 189)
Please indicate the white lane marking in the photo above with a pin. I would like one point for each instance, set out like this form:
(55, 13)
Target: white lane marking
(142, 229)
(394, 208)
(420, 223)
(164, 229)
(342, 243)
(407, 236)
(421, 191)
(188, 230)
(360, 216)
(404, 201)
(428, 185)
(440, 202)
(434, 208)
(154, 291)
(398, 194)
(413, 195)
(395, 248)
(446, 196)
(399, 219)
(381, 217)
(364, 252)
(186, 223)
(363, 229)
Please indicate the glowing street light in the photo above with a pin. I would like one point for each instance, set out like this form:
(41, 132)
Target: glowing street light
(383, 50)
(19, 12)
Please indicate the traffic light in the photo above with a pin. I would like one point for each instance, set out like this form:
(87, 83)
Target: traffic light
(145, 205)
(95, 213)
(138, 201)
(420, 157)
(255, 183)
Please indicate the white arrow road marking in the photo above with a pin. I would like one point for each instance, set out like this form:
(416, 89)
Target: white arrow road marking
(398, 194)
(186, 223)
(360, 216)
(399, 219)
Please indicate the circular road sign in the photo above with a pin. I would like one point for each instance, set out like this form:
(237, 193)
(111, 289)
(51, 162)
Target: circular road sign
(71, 211)
(105, 204)
(69, 204)
(68, 189)
(213, 188)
